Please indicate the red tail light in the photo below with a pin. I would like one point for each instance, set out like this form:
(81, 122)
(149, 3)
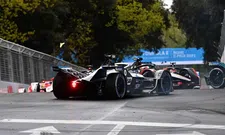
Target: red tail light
(73, 84)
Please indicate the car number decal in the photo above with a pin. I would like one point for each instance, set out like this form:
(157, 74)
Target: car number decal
(137, 86)
(129, 80)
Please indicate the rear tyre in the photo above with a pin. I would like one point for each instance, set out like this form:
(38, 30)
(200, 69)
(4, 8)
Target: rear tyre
(216, 78)
(60, 87)
(166, 84)
(115, 86)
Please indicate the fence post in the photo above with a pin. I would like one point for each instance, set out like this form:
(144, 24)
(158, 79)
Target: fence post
(41, 69)
(10, 65)
(21, 66)
(32, 75)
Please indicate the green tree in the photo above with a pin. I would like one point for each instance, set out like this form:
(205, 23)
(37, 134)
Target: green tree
(129, 25)
(174, 37)
(201, 21)
(80, 29)
(12, 10)
(91, 28)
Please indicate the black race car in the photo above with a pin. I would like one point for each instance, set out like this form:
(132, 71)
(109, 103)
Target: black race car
(184, 78)
(110, 81)
(216, 76)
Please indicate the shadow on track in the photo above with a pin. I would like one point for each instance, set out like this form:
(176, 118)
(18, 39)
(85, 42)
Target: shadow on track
(102, 98)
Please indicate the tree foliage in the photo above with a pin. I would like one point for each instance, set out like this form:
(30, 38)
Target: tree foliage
(10, 11)
(174, 37)
(201, 20)
(91, 28)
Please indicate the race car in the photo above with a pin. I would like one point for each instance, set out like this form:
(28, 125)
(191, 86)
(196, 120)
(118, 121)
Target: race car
(184, 78)
(110, 81)
(46, 86)
(147, 69)
(216, 76)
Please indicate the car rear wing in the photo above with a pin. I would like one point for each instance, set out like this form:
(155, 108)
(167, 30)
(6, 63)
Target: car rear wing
(60, 68)
(69, 70)
(56, 68)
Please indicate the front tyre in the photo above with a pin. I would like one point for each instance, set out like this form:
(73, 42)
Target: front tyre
(166, 83)
(115, 86)
(216, 78)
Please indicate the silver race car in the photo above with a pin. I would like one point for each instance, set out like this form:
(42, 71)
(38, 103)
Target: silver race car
(109, 80)
(184, 78)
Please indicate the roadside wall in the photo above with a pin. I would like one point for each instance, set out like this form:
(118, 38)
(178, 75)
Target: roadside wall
(19, 66)
(9, 87)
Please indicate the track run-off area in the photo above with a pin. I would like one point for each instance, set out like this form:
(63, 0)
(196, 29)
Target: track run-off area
(183, 112)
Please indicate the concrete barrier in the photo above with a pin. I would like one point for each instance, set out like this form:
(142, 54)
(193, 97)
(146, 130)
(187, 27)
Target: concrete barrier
(11, 87)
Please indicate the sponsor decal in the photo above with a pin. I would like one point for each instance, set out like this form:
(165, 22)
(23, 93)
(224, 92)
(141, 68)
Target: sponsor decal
(137, 86)
(3, 90)
(150, 79)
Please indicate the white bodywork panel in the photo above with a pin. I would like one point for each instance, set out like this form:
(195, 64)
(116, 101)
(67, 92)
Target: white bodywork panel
(49, 88)
(136, 75)
(123, 64)
(89, 77)
(180, 77)
(158, 74)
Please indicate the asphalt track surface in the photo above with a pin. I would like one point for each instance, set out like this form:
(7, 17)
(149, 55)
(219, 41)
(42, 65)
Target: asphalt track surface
(184, 112)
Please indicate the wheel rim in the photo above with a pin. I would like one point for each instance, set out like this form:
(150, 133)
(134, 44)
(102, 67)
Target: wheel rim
(120, 86)
(166, 84)
(216, 77)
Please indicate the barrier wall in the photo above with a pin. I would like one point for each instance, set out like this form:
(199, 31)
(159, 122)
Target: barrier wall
(9, 87)
(21, 66)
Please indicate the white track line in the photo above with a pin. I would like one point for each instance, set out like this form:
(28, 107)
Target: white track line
(113, 111)
(126, 123)
(116, 130)
(102, 118)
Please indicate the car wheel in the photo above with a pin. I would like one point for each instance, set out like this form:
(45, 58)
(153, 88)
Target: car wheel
(60, 88)
(115, 86)
(166, 83)
(216, 78)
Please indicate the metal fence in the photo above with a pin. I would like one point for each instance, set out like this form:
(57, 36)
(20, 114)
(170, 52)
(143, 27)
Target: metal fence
(23, 65)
